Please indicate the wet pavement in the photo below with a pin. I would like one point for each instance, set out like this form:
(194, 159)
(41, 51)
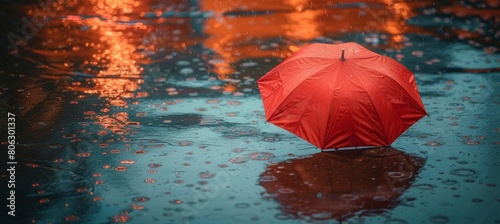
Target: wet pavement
(148, 112)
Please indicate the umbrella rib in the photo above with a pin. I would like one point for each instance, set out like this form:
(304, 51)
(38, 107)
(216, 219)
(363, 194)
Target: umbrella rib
(288, 80)
(375, 109)
(294, 90)
(329, 117)
(395, 81)
(406, 99)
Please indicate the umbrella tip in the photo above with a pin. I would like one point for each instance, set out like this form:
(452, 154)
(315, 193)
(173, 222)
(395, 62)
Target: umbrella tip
(342, 56)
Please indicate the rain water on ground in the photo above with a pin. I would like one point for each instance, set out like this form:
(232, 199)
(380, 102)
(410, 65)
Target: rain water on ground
(149, 112)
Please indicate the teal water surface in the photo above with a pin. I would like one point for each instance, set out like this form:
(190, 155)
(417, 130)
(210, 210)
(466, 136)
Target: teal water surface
(148, 112)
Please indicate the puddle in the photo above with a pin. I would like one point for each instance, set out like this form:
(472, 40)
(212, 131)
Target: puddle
(149, 112)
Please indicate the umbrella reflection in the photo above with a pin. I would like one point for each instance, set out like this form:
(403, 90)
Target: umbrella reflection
(342, 184)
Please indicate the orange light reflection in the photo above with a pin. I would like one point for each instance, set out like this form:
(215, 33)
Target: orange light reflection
(235, 33)
(115, 57)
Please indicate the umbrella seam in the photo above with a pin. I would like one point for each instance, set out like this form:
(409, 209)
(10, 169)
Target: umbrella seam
(394, 80)
(283, 83)
(294, 90)
(396, 112)
(375, 109)
(322, 143)
(329, 117)
(409, 101)
(299, 122)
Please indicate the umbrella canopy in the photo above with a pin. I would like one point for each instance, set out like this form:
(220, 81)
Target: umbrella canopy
(342, 95)
(341, 185)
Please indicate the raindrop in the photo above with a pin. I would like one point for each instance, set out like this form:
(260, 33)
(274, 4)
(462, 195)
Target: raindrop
(424, 186)
(321, 215)
(102, 132)
(140, 199)
(242, 205)
(176, 201)
(395, 174)
(202, 182)
(243, 130)
(238, 150)
(71, 218)
(120, 168)
(439, 219)
(118, 103)
(463, 172)
(247, 90)
(249, 64)
(213, 101)
(140, 151)
(477, 200)
(150, 181)
(69, 136)
(183, 62)
(83, 154)
(267, 178)
(239, 160)
(449, 182)
(136, 207)
(380, 198)
(417, 53)
(179, 181)
(349, 197)
(186, 71)
(286, 190)
(55, 146)
(233, 102)
(121, 217)
(184, 143)
(127, 161)
(260, 155)
(434, 143)
(282, 216)
(472, 142)
(207, 175)
(270, 139)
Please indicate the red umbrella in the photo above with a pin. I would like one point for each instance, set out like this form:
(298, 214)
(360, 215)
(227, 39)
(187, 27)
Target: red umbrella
(342, 95)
